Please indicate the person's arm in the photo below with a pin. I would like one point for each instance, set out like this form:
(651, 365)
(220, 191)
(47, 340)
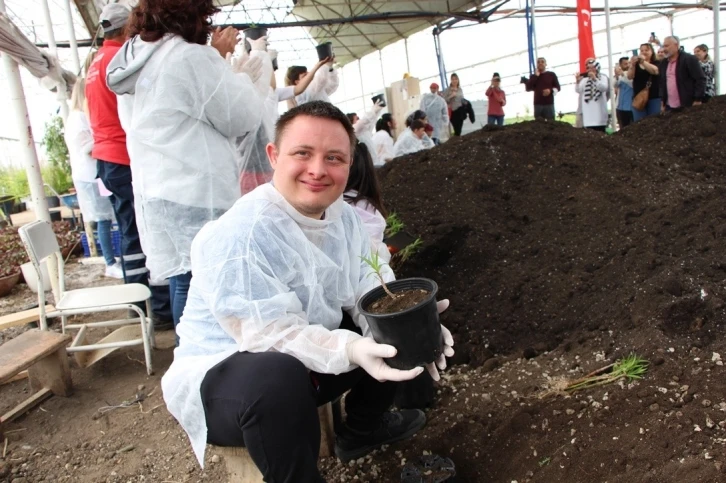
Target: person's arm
(229, 102)
(555, 84)
(650, 68)
(332, 82)
(489, 91)
(368, 120)
(445, 114)
(531, 84)
(305, 81)
(387, 152)
(580, 85)
(504, 98)
(633, 66)
(285, 93)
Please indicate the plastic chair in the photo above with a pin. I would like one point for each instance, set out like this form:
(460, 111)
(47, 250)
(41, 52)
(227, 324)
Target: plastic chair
(40, 243)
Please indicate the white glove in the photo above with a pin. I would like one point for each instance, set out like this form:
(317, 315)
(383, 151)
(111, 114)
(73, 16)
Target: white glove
(369, 355)
(259, 44)
(237, 60)
(273, 54)
(253, 68)
(448, 351)
(377, 107)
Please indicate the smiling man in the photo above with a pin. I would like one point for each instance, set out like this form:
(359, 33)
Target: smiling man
(270, 330)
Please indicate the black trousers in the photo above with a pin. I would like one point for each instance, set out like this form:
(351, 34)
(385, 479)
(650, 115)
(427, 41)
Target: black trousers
(457, 120)
(267, 402)
(625, 118)
(117, 179)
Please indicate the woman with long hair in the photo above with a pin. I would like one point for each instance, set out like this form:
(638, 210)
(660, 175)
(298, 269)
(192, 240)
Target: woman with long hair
(644, 73)
(383, 138)
(182, 106)
(363, 193)
(94, 207)
(701, 51)
(454, 97)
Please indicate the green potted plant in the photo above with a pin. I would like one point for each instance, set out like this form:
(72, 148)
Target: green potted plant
(57, 173)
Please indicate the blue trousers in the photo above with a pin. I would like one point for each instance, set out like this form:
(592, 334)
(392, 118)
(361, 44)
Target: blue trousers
(117, 179)
(103, 227)
(179, 291)
(651, 109)
(495, 120)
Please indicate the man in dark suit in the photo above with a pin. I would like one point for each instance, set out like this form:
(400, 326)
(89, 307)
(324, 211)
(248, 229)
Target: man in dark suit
(682, 81)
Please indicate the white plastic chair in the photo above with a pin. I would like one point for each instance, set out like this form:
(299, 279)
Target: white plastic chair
(40, 243)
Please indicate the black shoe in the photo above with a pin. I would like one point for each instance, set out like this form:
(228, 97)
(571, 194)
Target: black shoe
(162, 324)
(351, 444)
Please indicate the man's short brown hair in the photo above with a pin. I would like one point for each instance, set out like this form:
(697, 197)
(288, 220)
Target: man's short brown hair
(418, 124)
(321, 110)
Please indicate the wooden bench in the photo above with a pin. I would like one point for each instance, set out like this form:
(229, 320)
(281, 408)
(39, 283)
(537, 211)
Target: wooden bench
(43, 354)
(242, 469)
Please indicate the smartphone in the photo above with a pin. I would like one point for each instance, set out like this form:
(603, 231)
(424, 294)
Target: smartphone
(652, 34)
(635, 52)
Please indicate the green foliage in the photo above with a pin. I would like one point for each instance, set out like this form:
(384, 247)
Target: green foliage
(393, 225)
(13, 183)
(376, 264)
(545, 461)
(57, 178)
(58, 171)
(628, 368)
(411, 249)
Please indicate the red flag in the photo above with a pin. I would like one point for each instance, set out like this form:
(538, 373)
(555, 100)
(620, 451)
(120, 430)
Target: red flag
(584, 31)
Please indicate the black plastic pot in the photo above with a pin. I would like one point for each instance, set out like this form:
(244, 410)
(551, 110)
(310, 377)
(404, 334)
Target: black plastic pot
(53, 201)
(379, 97)
(325, 50)
(253, 33)
(414, 332)
(274, 65)
(56, 216)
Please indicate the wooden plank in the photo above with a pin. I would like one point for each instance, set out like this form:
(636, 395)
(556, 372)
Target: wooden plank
(239, 463)
(24, 406)
(22, 318)
(25, 350)
(17, 377)
(87, 358)
(52, 372)
(327, 432)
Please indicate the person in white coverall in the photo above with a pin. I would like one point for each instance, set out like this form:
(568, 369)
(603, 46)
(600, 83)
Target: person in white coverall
(271, 331)
(363, 129)
(324, 84)
(182, 107)
(411, 139)
(383, 138)
(437, 112)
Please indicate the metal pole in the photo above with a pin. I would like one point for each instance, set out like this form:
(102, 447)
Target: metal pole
(383, 71)
(534, 35)
(440, 58)
(610, 65)
(72, 38)
(408, 64)
(362, 92)
(717, 44)
(62, 96)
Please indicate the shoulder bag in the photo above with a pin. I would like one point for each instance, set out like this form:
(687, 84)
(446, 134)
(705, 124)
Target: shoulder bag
(640, 101)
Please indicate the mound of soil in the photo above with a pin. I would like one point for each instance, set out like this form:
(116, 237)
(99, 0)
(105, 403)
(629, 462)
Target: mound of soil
(562, 249)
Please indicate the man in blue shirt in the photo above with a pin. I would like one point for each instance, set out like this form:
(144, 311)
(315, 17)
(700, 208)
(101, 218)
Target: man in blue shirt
(624, 90)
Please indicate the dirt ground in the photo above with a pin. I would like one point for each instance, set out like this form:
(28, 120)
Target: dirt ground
(561, 250)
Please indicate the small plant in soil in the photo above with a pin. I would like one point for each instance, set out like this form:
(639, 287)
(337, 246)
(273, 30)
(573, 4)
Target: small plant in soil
(628, 368)
(393, 225)
(411, 249)
(394, 302)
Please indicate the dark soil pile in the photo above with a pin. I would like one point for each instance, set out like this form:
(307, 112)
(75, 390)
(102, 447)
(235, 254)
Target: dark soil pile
(562, 249)
(539, 230)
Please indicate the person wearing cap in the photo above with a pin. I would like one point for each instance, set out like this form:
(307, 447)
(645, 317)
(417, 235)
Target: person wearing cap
(436, 111)
(114, 165)
(497, 101)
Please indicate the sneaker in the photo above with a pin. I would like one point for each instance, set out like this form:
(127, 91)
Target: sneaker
(351, 444)
(114, 271)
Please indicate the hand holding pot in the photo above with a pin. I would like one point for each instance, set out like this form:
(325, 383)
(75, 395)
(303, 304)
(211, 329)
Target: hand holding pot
(448, 350)
(369, 355)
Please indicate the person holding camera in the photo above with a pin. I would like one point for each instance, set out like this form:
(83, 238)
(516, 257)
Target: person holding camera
(497, 101)
(545, 85)
(593, 88)
(644, 73)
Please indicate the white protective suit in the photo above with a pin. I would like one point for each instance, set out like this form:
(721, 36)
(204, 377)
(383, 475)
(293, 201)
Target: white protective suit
(268, 278)
(436, 111)
(373, 222)
(323, 85)
(364, 132)
(408, 143)
(182, 107)
(79, 139)
(383, 143)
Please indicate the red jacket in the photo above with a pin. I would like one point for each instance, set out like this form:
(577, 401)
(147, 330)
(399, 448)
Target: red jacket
(497, 99)
(109, 138)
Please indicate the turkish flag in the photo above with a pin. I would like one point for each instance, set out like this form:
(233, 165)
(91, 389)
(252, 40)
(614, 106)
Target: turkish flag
(584, 32)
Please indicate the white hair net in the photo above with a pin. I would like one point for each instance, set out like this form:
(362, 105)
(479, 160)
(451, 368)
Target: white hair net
(182, 107)
(268, 278)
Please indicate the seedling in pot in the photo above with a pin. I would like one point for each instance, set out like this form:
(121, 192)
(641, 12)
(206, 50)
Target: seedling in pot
(393, 225)
(375, 262)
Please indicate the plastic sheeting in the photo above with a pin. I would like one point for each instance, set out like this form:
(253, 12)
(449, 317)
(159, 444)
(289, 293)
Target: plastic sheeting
(182, 108)
(268, 278)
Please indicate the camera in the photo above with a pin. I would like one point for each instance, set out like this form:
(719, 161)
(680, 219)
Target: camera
(523, 80)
